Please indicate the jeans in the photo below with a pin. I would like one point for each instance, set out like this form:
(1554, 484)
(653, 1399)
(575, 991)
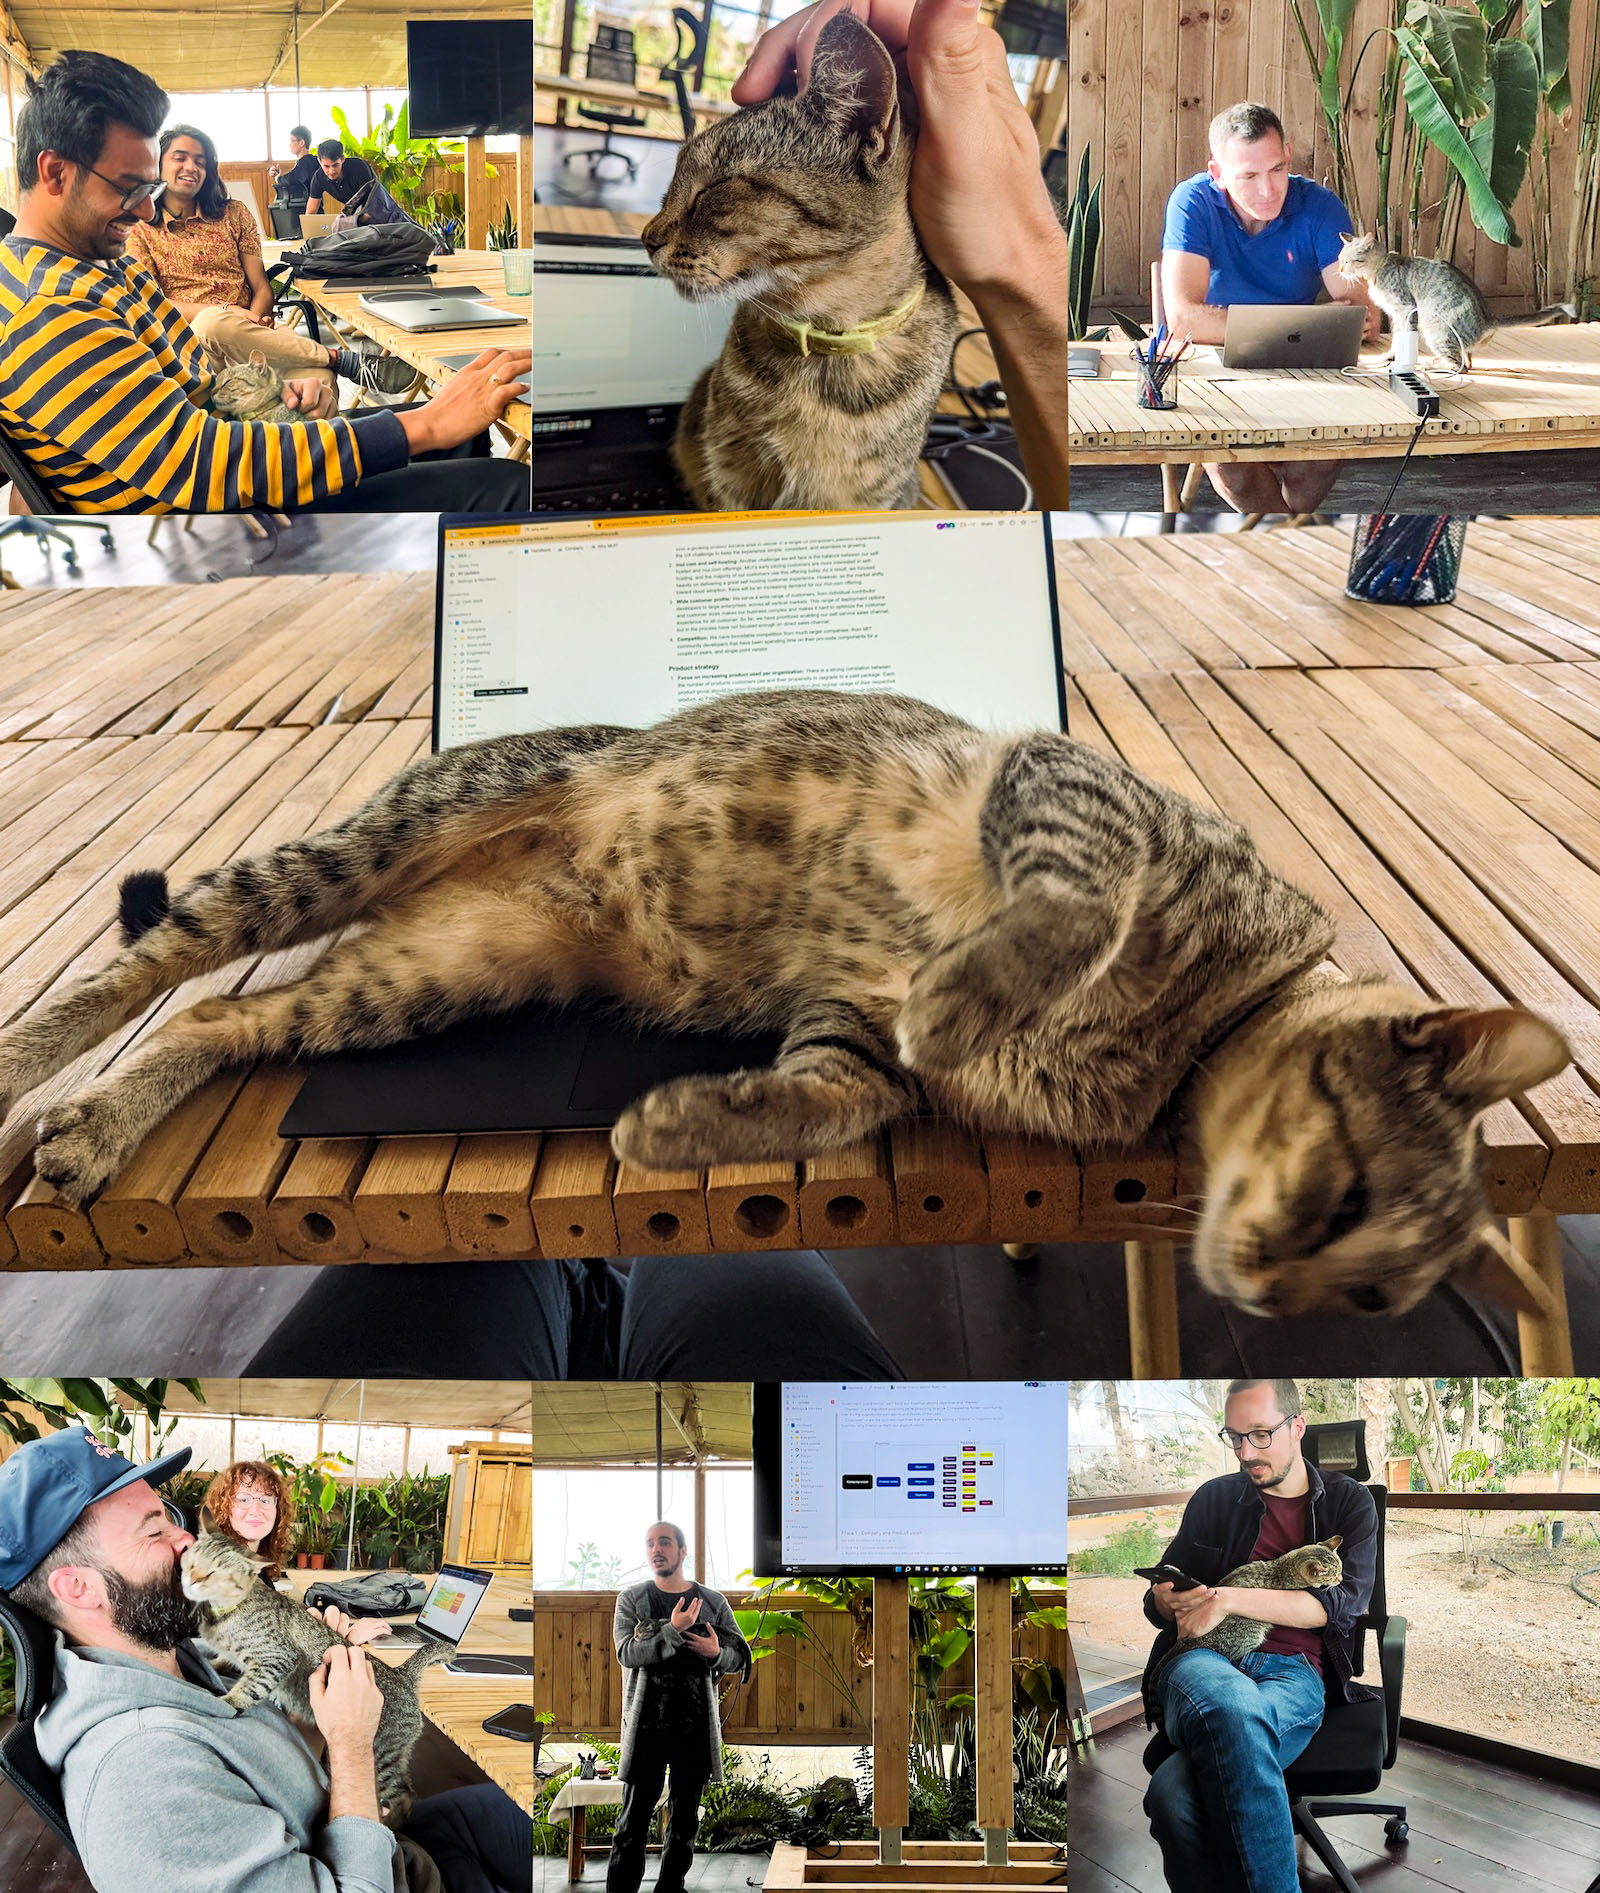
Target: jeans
(1218, 1807)
(648, 1769)
(478, 1838)
(777, 1316)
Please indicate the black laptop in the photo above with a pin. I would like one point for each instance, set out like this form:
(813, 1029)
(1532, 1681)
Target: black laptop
(541, 624)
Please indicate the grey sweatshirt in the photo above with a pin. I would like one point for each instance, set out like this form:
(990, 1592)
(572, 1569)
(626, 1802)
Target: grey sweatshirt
(168, 1787)
(643, 1641)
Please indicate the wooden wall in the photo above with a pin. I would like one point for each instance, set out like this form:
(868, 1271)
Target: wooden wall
(789, 1697)
(1148, 76)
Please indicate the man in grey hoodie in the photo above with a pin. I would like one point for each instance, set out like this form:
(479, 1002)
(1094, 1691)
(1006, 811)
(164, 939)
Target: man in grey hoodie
(674, 1638)
(164, 1784)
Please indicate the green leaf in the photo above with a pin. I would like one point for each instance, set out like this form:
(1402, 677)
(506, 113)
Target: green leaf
(1433, 119)
(949, 1647)
(1502, 139)
(86, 1396)
(1457, 40)
(1547, 30)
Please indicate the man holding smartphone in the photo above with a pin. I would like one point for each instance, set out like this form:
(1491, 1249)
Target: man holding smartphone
(674, 1638)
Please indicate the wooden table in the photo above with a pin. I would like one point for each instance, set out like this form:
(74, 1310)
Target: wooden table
(1529, 388)
(568, 1807)
(975, 362)
(627, 97)
(1432, 777)
(458, 1706)
(424, 352)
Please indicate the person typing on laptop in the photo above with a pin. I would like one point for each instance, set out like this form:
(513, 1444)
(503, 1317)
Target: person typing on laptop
(1247, 229)
(104, 386)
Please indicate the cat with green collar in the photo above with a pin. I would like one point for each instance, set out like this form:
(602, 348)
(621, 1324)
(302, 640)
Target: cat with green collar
(797, 209)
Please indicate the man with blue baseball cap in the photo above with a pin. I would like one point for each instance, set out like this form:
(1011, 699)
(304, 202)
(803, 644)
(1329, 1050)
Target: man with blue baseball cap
(165, 1785)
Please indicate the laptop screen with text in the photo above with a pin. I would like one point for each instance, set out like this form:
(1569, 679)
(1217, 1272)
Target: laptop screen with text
(457, 1592)
(545, 625)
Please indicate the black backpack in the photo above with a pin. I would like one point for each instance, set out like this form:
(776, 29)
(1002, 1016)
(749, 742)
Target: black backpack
(357, 256)
(379, 1594)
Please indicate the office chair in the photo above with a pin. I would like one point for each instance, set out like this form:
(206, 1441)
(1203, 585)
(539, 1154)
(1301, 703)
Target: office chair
(611, 58)
(43, 522)
(33, 1643)
(684, 65)
(1358, 1741)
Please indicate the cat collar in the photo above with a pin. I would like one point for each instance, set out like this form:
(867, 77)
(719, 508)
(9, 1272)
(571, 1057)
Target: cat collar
(861, 340)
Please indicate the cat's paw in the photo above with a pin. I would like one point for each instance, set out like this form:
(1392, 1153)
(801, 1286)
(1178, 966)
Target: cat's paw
(689, 1123)
(82, 1145)
(239, 1698)
(953, 1013)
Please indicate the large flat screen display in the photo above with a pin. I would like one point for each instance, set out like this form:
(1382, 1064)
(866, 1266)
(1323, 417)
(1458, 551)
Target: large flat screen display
(883, 1477)
(470, 78)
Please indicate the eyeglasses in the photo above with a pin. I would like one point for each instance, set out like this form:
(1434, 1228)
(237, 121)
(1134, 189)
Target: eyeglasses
(1259, 1437)
(133, 195)
(255, 1502)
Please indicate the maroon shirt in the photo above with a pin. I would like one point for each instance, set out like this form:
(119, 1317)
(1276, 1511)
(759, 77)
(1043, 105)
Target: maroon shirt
(1285, 1527)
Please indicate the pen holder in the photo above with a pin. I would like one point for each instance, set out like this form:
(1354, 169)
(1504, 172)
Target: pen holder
(1405, 559)
(1153, 386)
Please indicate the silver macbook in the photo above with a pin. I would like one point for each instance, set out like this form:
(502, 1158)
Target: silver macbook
(419, 315)
(1293, 335)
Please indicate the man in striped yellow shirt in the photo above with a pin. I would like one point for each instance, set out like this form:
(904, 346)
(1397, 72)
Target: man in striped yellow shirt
(103, 386)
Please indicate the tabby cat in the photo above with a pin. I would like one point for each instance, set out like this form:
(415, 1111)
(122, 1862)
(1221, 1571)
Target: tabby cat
(1017, 930)
(1451, 316)
(276, 1643)
(797, 209)
(251, 391)
(1307, 1567)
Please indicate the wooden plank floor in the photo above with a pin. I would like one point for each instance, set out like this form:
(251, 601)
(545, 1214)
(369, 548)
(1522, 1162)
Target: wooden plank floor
(32, 1859)
(1474, 1828)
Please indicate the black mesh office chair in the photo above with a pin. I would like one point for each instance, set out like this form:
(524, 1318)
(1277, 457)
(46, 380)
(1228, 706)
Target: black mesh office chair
(683, 68)
(611, 58)
(33, 1643)
(1358, 1741)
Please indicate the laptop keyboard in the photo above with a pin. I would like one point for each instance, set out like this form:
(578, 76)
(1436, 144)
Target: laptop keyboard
(622, 496)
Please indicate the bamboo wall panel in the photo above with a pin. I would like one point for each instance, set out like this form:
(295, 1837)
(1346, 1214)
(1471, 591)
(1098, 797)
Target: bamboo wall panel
(1149, 75)
(791, 1694)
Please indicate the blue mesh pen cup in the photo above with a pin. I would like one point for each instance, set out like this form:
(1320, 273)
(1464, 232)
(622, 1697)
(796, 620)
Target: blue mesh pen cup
(1405, 558)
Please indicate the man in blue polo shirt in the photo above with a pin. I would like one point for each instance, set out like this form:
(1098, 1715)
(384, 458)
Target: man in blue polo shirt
(1247, 229)
(1217, 1804)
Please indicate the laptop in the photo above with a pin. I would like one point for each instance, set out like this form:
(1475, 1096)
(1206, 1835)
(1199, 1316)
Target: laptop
(506, 661)
(318, 226)
(616, 352)
(1293, 335)
(418, 315)
(450, 1605)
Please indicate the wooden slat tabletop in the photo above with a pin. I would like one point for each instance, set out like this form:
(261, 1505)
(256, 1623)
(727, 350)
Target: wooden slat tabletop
(1527, 388)
(1447, 814)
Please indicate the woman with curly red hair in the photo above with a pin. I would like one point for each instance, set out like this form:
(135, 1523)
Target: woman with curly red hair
(250, 1501)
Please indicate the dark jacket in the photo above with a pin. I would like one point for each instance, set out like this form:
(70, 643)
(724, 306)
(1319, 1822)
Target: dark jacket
(1219, 1528)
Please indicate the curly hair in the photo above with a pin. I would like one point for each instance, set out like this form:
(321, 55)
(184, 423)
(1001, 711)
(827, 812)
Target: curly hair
(218, 1506)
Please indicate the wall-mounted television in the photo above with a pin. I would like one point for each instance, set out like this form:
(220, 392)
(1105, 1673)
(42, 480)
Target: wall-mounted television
(878, 1478)
(470, 78)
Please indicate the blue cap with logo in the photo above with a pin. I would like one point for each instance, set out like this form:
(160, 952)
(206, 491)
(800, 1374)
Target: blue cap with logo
(47, 1483)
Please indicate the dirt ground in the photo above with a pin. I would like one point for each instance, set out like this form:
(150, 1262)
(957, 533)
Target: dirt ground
(1512, 1654)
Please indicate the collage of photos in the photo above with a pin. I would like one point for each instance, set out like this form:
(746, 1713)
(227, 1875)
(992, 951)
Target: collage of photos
(799, 1041)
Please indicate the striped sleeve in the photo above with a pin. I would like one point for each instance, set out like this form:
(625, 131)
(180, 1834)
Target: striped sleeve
(81, 382)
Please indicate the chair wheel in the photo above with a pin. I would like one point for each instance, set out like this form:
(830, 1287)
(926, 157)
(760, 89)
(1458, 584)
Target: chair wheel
(1397, 1830)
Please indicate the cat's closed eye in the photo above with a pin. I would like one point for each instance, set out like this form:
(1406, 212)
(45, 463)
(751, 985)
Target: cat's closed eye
(1349, 1213)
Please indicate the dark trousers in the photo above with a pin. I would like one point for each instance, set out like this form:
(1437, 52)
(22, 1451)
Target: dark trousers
(478, 1838)
(688, 1763)
(462, 479)
(779, 1316)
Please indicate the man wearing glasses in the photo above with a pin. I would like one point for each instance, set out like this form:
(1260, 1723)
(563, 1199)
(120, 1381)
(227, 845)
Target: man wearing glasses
(1217, 1806)
(104, 386)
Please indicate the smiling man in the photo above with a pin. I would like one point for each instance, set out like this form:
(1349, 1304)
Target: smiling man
(1247, 229)
(1217, 1806)
(674, 1638)
(104, 386)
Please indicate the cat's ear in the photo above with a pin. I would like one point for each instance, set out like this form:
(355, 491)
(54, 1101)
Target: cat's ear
(257, 359)
(1332, 1543)
(1483, 1057)
(853, 87)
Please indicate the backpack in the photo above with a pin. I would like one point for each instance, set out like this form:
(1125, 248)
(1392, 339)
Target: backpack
(357, 256)
(378, 1594)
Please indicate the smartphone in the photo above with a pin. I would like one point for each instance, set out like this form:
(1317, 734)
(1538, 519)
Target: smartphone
(516, 1722)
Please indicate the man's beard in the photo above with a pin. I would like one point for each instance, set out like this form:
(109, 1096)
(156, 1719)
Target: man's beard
(156, 1613)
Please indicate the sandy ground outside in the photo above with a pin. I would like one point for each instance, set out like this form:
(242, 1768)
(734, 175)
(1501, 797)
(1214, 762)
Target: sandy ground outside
(1511, 1654)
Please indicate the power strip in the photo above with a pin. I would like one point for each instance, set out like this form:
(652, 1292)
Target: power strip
(1414, 391)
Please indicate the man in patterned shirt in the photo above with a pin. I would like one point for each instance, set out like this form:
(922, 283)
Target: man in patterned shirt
(104, 387)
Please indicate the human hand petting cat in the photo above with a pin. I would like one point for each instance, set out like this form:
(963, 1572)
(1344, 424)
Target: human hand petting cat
(313, 398)
(978, 197)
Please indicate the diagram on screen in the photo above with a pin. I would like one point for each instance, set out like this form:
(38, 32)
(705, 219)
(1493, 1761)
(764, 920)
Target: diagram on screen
(447, 1599)
(930, 1480)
